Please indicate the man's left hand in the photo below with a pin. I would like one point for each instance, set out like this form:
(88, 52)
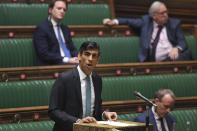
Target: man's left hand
(174, 53)
(111, 116)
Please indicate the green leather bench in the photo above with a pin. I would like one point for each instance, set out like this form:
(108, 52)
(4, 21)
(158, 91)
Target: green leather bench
(34, 14)
(21, 52)
(17, 53)
(182, 116)
(28, 126)
(37, 92)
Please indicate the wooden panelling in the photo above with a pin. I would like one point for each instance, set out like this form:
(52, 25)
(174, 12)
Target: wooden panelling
(84, 31)
(48, 1)
(185, 10)
(104, 70)
(24, 114)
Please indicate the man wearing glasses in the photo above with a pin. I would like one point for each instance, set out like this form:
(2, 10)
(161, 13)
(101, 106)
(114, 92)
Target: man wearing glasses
(161, 38)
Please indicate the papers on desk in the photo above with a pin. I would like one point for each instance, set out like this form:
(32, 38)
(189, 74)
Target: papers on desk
(115, 123)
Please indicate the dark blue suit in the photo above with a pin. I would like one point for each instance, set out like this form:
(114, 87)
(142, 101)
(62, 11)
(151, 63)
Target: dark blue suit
(47, 46)
(145, 26)
(65, 106)
(142, 119)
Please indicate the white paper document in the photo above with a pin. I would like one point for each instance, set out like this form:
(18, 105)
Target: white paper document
(115, 123)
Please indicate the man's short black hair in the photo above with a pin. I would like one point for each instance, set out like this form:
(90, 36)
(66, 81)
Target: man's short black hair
(52, 3)
(89, 45)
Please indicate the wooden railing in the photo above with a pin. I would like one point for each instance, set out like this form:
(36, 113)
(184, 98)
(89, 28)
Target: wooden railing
(84, 31)
(39, 113)
(104, 70)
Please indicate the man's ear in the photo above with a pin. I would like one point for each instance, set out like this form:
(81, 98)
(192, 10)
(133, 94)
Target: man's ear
(79, 56)
(156, 100)
(50, 10)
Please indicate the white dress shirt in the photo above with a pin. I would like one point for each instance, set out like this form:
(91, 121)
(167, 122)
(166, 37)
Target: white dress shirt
(164, 46)
(65, 59)
(158, 122)
(83, 76)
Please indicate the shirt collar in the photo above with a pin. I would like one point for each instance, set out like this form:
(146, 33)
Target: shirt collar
(155, 114)
(82, 75)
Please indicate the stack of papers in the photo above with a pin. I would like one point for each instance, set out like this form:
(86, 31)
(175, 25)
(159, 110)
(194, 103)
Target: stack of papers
(115, 123)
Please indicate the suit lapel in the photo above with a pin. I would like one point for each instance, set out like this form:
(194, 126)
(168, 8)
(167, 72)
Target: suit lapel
(53, 36)
(96, 88)
(152, 119)
(149, 34)
(77, 84)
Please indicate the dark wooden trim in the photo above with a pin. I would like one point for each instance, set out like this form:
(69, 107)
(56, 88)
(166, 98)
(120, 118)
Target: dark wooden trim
(24, 114)
(112, 9)
(48, 1)
(104, 70)
(84, 31)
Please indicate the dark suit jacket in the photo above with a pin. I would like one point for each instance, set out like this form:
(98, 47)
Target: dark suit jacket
(65, 106)
(145, 26)
(47, 46)
(142, 118)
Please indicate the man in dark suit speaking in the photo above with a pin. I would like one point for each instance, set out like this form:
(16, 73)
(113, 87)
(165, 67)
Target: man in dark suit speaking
(76, 94)
(52, 40)
(161, 38)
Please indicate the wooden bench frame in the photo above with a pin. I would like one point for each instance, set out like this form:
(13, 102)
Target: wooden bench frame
(84, 31)
(24, 114)
(104, 70)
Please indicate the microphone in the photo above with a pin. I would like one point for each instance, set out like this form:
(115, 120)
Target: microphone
(139, 95)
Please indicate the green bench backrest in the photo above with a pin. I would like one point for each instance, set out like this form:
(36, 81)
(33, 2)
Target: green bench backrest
(25, 93)
(182, 116)
(122, 88)
(21, 52)
(114, 49)
(192, 45)
(36, 93)
(17, 53)
(34, 14)
(28, 126)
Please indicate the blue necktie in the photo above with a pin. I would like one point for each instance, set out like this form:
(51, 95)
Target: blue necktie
(88, 97)
(65, 49)
(155, 42)
(162, 125)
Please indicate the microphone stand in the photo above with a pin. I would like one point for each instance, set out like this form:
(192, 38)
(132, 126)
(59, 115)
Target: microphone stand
(147, 117)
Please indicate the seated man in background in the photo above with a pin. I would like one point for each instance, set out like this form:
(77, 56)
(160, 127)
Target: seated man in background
(76, 94)
(52, 40)
(161, 38)
(158, 116)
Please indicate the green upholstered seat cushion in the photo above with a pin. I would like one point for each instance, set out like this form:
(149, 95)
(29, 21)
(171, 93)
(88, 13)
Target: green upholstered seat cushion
(34, 14)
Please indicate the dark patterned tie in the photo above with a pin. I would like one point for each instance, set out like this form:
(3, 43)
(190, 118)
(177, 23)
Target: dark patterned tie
(88, 97)
(155, 42)
(162, 125)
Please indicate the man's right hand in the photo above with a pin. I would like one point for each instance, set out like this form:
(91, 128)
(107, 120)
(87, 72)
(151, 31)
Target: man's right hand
(87, 120)
(108, 21)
